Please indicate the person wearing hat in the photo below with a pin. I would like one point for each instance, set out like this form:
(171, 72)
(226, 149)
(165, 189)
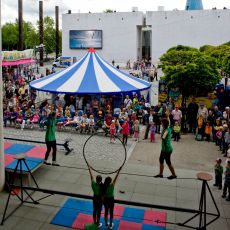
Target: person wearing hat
(218, 173)
(202, 111)
(227, 182)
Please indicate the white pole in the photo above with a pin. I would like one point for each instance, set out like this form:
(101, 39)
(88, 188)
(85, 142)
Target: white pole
(2, 160)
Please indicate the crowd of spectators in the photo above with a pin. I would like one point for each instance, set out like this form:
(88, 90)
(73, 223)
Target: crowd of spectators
(89, 113)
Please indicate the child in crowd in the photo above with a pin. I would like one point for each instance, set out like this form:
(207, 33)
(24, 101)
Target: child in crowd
(208, 131)
(227, 182)
(152, 132)
(136, 130)
(91, 123)
(219, 137)
(200, 125)
(125, 131)
(83, 125)
(112, 131)
(226, 141)
(218, 173)
(97, 187)
(176, 131)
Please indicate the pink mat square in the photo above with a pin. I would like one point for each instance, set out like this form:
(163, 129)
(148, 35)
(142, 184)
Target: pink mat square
(37, 152)
(7, 144)
(118, 212)
(124, 225)
(8, 159)
(82, 220)
(151, 216)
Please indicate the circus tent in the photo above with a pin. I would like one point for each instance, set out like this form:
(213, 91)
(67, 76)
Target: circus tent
(90, 75)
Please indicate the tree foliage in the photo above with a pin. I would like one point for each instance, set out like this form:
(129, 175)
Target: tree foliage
(9, 36)
(31, 35)
(190, 70)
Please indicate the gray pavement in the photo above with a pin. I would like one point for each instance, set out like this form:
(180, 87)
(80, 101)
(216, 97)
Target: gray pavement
(189, 158)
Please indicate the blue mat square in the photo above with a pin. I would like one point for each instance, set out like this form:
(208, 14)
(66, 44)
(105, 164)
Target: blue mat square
(115, 222)
(65, 217)
(133, 215)
(18, 148)
(152, 227)
(84, 206)
(31, 162)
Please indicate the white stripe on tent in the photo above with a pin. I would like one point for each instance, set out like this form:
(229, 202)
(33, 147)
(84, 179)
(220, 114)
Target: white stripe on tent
(74, 82)
(105, 84)
(56, 76)
(129, 80)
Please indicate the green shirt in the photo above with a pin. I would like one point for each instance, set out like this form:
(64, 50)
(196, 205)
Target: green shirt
(110, 191)
(166, 145)
(96, 188)
(50, 131)
(219, 169)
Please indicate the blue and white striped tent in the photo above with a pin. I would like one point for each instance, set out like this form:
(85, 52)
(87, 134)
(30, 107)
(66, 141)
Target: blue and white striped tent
(90, 75)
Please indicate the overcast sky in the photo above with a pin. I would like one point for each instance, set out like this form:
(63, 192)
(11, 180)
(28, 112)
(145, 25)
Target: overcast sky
(10, 7)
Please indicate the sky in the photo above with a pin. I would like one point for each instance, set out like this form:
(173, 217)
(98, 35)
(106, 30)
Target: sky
(30, 11)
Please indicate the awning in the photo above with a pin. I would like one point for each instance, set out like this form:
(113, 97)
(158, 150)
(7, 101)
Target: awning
(18, 62)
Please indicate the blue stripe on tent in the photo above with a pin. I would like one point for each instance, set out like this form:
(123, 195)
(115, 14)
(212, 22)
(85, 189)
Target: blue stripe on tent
(31, 162)
(18, 148)
(89, 82)
(45, 78)
(123, 85)
(54, 85)
(49, 76)
(147, 84)
(65, 217)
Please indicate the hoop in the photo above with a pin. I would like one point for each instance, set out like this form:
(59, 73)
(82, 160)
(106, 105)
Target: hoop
(101, 171)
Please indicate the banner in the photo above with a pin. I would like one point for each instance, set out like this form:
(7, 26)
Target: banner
(17, 55)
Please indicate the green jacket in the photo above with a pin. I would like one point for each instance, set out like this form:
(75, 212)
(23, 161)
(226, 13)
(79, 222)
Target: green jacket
(166, 145)
(50, 131)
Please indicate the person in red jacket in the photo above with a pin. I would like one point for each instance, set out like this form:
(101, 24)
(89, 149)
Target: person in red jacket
(125, 131)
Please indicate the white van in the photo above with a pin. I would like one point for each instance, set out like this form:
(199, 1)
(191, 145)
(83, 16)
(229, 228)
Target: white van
(62, 62)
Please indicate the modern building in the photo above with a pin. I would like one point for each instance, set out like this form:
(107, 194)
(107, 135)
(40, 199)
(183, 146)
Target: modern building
(135, 35)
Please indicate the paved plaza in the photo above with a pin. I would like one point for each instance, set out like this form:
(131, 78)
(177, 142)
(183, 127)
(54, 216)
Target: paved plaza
(136, 182)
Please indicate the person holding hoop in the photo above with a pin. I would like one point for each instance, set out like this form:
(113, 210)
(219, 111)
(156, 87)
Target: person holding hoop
(97, 197)
(108, 193)
(166, 150)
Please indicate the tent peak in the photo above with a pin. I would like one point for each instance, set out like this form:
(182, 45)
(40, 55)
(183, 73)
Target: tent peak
(91, 50)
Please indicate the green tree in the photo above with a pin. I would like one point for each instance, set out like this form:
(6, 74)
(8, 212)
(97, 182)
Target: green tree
(108, 11)
(218, 52)
(31, 38)
(190, 70)
(226, 64)
(9, 36)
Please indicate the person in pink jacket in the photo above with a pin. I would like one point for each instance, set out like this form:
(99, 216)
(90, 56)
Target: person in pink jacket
(125, 131)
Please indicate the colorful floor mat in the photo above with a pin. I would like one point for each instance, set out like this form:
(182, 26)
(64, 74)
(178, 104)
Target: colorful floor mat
(77, 214)
(35, 155)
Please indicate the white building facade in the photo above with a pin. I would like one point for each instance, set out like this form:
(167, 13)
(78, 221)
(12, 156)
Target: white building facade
(120, 34)
(123, 33)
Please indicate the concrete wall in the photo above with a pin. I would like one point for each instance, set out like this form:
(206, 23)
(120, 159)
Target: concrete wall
(192, 28)
(120, 36)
